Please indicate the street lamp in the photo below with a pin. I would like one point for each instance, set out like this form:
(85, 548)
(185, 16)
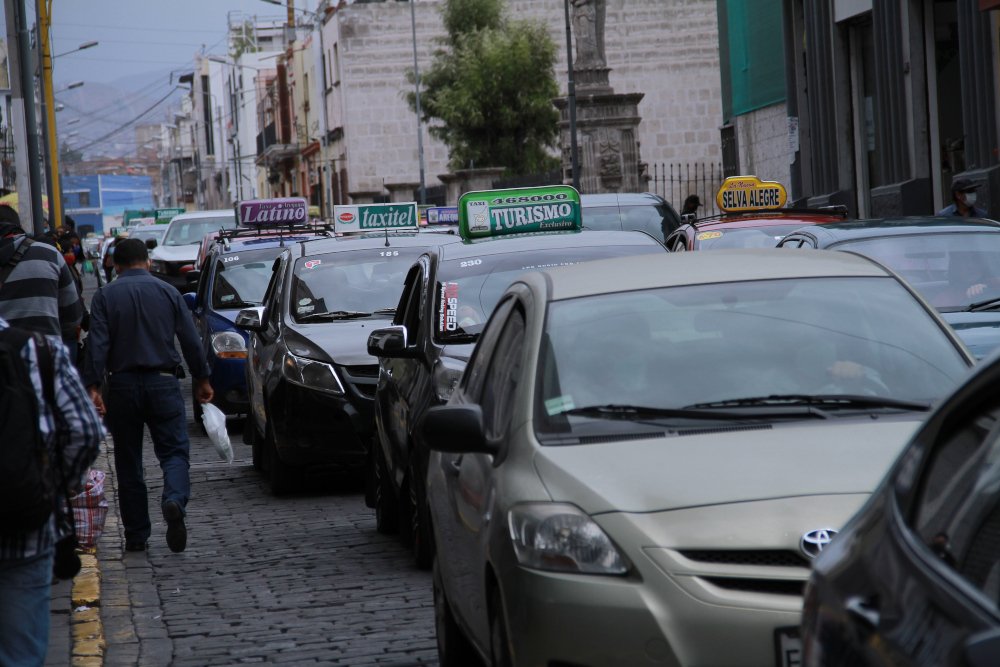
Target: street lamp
(85, 45)
(75, 84)
(73, 121)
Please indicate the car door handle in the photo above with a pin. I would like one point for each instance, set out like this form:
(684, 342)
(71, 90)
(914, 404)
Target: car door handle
(863, 610)
(454, 466)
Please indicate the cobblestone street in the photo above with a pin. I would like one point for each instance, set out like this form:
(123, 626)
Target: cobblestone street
(299, 580)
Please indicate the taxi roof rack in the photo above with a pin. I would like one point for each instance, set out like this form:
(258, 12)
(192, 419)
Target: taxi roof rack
(833, 209)
(261, 232)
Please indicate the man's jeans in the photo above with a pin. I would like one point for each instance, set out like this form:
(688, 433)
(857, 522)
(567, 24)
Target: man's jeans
(25, 588)
(153, 399)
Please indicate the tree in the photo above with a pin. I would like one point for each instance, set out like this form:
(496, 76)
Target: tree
(488, 93)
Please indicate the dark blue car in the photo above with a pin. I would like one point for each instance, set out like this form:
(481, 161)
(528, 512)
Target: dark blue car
(954, 263)
(233, 276)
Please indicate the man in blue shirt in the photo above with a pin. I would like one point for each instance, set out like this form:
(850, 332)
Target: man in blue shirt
(963, 200)
(133, 324)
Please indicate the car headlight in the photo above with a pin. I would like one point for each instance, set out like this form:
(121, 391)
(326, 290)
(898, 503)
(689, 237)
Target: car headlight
(447, 373)
(229, 345)
(562, 538)
(157, 266)
(311, 374)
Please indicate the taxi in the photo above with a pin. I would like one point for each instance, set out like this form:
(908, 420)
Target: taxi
(172, 258)
(651, 450)
(310, 379)
(753, 216)
(234, 276)
(449, 293)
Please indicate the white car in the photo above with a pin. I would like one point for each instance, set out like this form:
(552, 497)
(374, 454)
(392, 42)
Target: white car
(172, 259)
(644, 454)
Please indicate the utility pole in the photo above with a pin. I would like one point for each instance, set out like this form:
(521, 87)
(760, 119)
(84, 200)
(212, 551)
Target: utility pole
(49, 104)
(420, 130)
(571, 99)
(22, 175)
(36, 221)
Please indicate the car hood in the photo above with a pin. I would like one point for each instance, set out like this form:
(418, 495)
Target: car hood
(979, 331)
(343, 343)
(174, 253)
(679, 471)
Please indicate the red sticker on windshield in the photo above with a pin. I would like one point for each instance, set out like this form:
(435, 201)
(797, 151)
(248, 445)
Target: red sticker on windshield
(313, 263)
(448, 311)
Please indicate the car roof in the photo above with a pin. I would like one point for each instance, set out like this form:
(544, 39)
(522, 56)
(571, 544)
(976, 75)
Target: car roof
(905, 226)
(373, 240)
(261, 242)
(620, 199)
(198, 215)
(584, 238)
(640, 272)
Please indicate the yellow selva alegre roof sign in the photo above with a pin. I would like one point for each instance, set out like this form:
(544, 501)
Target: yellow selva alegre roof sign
(749, 193)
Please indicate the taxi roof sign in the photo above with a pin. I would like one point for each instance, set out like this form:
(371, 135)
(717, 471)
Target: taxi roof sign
(375, 217)
(165, 215)
(272, 212)
(748, 193)
(519, 211)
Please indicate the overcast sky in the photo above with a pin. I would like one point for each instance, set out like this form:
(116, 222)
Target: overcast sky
(141, 36)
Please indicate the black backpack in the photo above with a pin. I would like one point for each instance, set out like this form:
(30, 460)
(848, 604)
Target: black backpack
(27, 484)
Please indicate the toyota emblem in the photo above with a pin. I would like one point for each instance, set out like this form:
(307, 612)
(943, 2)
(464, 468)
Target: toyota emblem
(813, 542)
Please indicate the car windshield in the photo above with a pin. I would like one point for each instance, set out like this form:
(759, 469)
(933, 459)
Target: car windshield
(191, 232)
(682, 347)
(467, 289)
(360, 282)
(951, 270)
(744, 237)
(144, 234)
(241, 278)
(647, 218)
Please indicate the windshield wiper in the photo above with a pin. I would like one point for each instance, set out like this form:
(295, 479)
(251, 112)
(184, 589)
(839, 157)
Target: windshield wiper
(385, 311)
(238, 304)
(827, 401)
(985, 304)
(632, 412)
(459, 338)
(334, 315)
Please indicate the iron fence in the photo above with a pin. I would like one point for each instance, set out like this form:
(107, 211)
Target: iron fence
(675, 181)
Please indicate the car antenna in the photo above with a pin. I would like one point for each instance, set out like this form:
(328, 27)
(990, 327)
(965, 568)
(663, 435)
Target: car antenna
(386, 237)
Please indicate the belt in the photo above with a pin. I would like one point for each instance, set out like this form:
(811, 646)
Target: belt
(171, 372)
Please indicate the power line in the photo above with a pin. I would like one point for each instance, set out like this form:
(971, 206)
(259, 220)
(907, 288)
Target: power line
(125, 125)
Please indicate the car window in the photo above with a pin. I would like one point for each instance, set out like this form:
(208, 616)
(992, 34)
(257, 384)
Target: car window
(203, 280)
(191, 232)
(241, 278)
(951, 270)
(472, 379)
(500, 382)
(408, 309)
(957, 513)
(272, 297)
(468, 288)
(745, 237)
(732, 341)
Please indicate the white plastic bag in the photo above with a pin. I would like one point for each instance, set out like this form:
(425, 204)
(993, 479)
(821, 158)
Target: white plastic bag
(215, 426)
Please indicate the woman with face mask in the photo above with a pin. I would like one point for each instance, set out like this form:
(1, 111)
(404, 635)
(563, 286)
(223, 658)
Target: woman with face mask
(963, 200)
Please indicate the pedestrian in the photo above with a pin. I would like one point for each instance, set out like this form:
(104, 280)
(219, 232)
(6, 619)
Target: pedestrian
(963, 200)
(108, 263)
(68, 427)
(691, 205)
(133, 323)
(37, 288)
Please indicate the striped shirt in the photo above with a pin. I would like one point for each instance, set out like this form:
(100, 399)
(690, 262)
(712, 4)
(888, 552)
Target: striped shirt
(73, 423)
(40, 293)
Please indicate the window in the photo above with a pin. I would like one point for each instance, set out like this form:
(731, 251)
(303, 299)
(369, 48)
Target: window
(473, 378)
(957, 514)
(500, 383)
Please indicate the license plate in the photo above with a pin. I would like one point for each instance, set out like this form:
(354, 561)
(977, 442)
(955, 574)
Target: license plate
(787, 647)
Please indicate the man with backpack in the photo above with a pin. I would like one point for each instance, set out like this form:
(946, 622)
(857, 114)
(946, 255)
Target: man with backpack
(49, 436)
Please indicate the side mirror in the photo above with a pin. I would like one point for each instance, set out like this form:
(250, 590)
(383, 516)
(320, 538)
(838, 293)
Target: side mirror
(151, 243)
(390, 343)
(982, 649)
(192, 277)
(457, 429)
(251, 319)
(191, 299)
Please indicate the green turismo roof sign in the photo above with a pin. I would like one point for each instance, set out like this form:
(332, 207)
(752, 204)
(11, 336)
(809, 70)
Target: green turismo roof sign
(519, 211)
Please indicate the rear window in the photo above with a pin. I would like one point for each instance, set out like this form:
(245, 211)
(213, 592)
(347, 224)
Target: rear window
(191, 232)
(744, 237)
(653, 219)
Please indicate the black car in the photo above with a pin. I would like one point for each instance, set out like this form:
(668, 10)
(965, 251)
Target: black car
(449, 294)
(952, 262)
(310, 378)
(914, 577)
(630, 211)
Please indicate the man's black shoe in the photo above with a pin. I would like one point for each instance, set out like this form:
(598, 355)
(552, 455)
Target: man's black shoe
(177, 534)
(135, 546)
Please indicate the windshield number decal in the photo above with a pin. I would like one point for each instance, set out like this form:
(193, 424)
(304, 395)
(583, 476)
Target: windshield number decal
(233, 258)
(388, 253)
(471, 262)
